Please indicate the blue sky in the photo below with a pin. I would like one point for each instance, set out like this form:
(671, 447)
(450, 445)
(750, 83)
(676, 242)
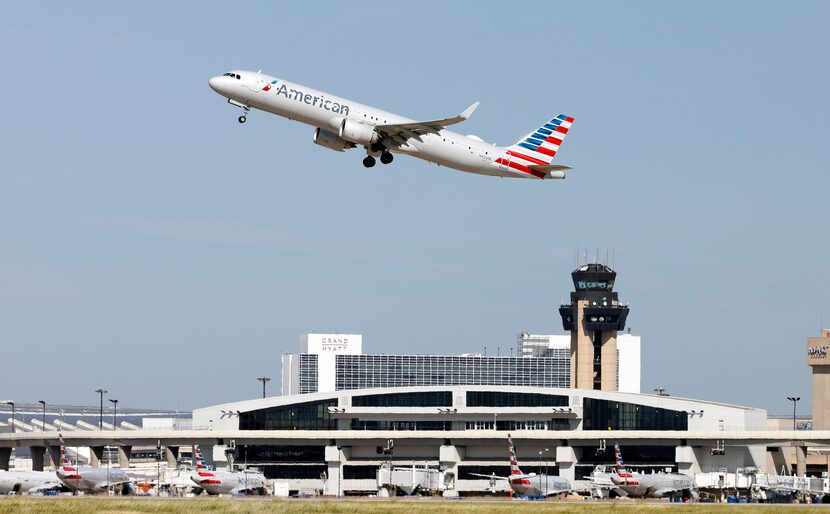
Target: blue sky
(151, 245)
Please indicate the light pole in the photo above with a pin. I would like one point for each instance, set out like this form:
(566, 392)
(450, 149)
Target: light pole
(158, 467)
(43, 428)
(339, 469)
(102, 392)
(794, 399)
(263, 380)
(9, 402)
(114, 410)
(547, 451)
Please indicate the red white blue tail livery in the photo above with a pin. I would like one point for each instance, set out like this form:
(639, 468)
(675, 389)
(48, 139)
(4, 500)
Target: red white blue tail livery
(225, 482)
(532, 485)
(341, 124)
(657, 485)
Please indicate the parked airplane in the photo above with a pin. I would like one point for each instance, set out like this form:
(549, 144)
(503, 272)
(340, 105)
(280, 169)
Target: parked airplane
(87, 478)
(657, 485)
(28, 482)
(530, 485)
(225, 482)
(343, 124)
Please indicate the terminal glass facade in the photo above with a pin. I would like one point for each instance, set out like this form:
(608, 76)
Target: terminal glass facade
(297, 416)
(611, 415)
(359, 424)
(510, 399)
(372, 371)
(420, 399)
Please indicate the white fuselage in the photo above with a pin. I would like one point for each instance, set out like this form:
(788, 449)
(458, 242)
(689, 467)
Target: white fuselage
(539, 485)
(89, 479)
(28, 481)
(658, 485)
(327, 112)
(228, 482)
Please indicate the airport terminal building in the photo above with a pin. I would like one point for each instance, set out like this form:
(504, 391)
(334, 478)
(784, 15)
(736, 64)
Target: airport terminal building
(336, 441)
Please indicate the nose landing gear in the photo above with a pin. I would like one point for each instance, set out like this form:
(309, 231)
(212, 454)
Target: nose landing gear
(244, 117)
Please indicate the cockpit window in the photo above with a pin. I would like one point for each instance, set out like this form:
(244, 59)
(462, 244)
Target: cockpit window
(232, 75)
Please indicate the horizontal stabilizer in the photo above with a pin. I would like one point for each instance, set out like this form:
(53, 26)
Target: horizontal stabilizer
(549, 167)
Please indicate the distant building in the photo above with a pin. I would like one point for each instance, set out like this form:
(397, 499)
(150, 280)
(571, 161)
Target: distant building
(335, 362)
(558, 345)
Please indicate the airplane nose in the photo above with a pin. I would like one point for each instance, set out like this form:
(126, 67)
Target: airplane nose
(214, 83)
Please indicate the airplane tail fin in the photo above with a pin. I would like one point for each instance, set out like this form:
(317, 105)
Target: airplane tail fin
(514, 463)
(618, 456)
(64, 460)
(537, 149)
(198, 457)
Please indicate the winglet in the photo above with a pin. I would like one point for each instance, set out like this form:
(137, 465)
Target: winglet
(466, 114)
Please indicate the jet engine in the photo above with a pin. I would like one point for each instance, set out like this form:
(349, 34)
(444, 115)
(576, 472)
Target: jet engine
(357, 132)
(331, 141)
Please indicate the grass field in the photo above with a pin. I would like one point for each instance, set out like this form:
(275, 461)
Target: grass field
(220, 505)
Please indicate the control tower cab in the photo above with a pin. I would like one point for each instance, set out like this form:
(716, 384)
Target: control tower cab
(593, 318)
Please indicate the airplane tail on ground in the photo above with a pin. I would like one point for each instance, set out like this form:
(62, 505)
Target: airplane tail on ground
(64, 460)
(198, 457)
(514, 464)
(621, 471)
(534, 152)
(65, 470)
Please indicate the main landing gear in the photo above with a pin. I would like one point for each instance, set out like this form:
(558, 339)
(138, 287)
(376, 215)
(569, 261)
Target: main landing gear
(385, 158)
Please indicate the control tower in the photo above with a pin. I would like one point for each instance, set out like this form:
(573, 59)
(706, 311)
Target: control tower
(818, 358)
(594, 317)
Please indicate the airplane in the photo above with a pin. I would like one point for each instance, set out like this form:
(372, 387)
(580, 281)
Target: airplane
(658, 485)
(28, 482)
(531, 485)
(342, 124)
(87, 478)
(225, 482)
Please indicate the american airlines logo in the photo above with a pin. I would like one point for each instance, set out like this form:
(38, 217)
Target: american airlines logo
(299, 96)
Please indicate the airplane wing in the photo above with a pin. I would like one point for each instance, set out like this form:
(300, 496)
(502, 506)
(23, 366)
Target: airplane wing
(48, 486)
(492, 477)
(660, 492)
(102, 486)
(399, 133)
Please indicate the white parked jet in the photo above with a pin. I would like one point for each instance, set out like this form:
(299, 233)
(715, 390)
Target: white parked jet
(225, 482)
(28, 482)
(343, 124)
(87, 478)
(530, 485)
(658, 485)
